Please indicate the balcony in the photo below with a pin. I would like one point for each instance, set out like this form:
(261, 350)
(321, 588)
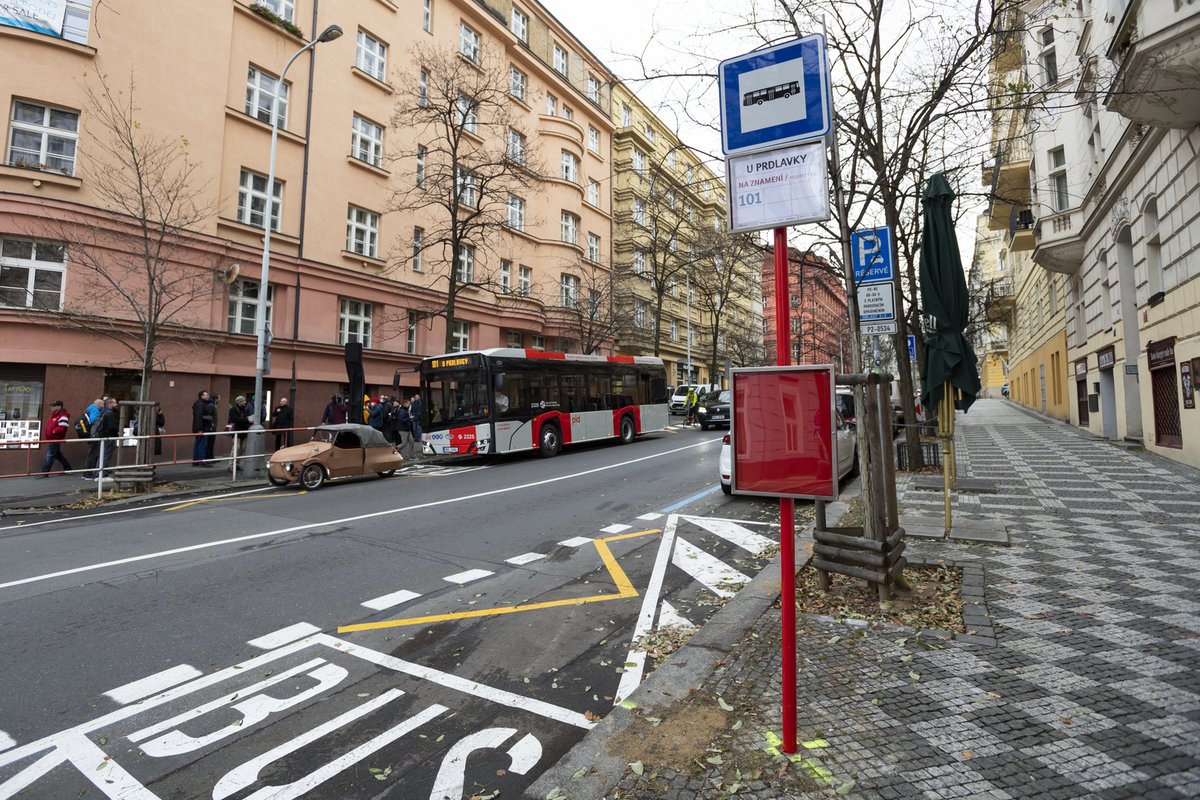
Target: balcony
(1010, 182)
(1020, 230)
(999, 299)
(1058, 241)
(1157, 53)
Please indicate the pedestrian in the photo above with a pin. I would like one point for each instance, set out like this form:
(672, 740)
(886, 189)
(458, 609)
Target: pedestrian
(54, 433)
(93, 413)
(404, 430)
(282, 421)
(239, 423)
(210, 408)
(105, 431)
(375, 416)
(414, 413)
(335, 412)
(203, 425)
(389, 411)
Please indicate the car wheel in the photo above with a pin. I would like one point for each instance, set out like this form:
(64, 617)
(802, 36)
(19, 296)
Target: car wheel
(727, 488)
(277, 481)
(312, 477)
(628, 432)
(387, 473)
(549, 441)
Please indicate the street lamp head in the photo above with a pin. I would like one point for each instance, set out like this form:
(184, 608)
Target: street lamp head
(330, 33)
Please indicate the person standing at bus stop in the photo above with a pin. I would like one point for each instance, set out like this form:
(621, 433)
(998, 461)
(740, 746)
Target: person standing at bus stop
(55, 432)
(414, 413)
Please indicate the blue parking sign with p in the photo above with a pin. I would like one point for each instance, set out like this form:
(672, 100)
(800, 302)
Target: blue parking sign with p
(871, 254)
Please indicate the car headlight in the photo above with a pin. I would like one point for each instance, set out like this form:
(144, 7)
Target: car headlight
(703, 410)
(287, 466)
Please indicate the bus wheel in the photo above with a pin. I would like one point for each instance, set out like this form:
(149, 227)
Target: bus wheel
(312, 477)
(628, 432)
(550, 441)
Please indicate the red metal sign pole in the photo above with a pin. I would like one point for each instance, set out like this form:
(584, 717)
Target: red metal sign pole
(787, 512)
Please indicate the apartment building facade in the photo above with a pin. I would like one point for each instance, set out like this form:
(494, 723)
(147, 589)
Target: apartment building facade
(990, 285)
(818, 314)
(352, 256)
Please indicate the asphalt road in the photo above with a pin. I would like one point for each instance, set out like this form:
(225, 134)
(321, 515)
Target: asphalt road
(446, 632)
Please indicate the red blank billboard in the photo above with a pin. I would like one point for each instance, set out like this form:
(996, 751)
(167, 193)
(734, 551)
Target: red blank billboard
(782, 436)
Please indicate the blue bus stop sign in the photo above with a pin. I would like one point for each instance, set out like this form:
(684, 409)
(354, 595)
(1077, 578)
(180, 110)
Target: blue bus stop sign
(775, 96)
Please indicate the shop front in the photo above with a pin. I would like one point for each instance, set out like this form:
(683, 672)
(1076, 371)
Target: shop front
(1081, 392)
(1164, 392)
(1106, 387)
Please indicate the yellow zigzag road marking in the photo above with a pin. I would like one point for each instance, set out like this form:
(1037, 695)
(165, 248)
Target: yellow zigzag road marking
(624, 589)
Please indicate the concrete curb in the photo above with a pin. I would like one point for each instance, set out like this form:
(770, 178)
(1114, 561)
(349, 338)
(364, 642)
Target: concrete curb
(673, 682)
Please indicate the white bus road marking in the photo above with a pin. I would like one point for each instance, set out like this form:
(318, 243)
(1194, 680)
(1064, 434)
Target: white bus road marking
(462, 578)
(668, 617)
(283, 636)
(616, 529)
(720, 578)
(90, 761)
(344, 520)
(734, 533)
(578, 541)
(390, 600)
(6, 741)
(153, 684)
(526, 558)
(635, 662)
(450, 783)
(650, 517)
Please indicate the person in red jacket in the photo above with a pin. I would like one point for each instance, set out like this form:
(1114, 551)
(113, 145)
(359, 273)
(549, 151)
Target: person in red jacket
(54, 432)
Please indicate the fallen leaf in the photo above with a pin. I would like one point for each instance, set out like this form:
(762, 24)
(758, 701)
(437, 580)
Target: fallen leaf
(628, 704)
(580, 773)
(968, 753)
(591, 716)
(724, 706)
(916, 676)
(716, 761)
(847, 787)
(737, 725)
(637, 767)
(1066, 720)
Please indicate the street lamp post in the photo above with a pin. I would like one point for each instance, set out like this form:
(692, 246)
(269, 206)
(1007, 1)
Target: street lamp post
(260, 317)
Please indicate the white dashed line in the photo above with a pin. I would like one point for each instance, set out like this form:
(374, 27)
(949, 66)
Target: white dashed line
(153, 684)
(468, 576)
(393, 599)
(6, 741)
(524, 559)
(650, 517)
(616, 529)
(578, 541)
(283, 636)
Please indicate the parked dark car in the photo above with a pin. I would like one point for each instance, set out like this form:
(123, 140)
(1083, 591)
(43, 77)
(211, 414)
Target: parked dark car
(714, 408)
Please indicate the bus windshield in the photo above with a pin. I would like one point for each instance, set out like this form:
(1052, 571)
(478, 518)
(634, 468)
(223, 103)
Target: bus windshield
(456, 397)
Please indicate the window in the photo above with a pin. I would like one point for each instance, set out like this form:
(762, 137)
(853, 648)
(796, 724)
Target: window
(568, 295)
(280, 8)
(567, 113)
(243, 306)
(410, 340)
(524, 280)
(1048, 58)
(513, 339)
(671, 199)
(593, 139)
(43, 137)
(570, 228)
(261, 88)
(354, 322)
(366, 141)
(252, 200)
(561, 60)
(516, 146)
(371, 56)
(520, 24)
(593, 192)
(674, 330)
(1154, 267)
(505, 276)
(1059, 198)
(551, 105)
(468, 42)
(362, 232)
(593, 247)
(418, 249)
(639, 211)
(639, 262)
(468, 190)
(539, 342)
(570, 167)
(461, 332)
(516, 212)
(650, 134)
(467, 114)
(76, 22)
(671, 159)
(421, 153)
(691, 175)
(423, 88)
(466, 264)
(517, 83)
(639, 162)
(593, 88)
(626, 116)
(427, 17)
(593, 303)
(31, 274)
(639, 313)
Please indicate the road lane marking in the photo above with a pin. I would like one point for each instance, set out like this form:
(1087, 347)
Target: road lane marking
(687, 501)
(735, 534)
(525, 558)
(635, 662)
(468, 576)
(6, 741)
(200, 500)
(344, 520)
(653, 515)
(153, 684)
(389, 600)
(668, 617)
(616, 528)
(624, 586)
(283, 636)
(578, 541)
(719, 577)
(114, 512)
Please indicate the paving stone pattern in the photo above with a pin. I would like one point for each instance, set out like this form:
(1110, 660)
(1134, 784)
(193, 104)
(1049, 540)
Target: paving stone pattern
(1089, 687)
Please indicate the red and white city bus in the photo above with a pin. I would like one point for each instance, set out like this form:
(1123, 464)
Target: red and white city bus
(509, 400)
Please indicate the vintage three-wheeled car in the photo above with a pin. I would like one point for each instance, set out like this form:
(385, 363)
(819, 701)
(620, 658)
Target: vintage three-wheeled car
(335, 451)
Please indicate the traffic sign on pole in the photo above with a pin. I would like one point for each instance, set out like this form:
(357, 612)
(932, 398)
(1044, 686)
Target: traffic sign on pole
(778, 188)
(912, 347)
(876, 302)
(877, 328)
(775, 96)
(871, 252)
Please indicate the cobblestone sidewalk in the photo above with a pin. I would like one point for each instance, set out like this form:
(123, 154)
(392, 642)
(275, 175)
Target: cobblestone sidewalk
(1091, 688)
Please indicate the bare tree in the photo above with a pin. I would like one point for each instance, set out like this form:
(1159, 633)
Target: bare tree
(469, 163)
(143, 272)
(585, 313)
(729, 269)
